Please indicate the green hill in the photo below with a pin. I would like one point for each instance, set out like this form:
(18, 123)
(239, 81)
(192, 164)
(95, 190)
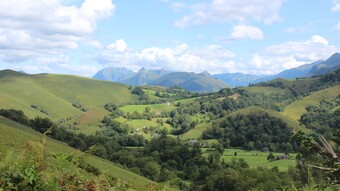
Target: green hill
(13, 135)
(297, 108)
(196, 132)
(53, 96)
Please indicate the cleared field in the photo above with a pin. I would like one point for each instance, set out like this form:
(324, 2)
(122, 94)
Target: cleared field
(188, 100)
(139, 124)
(297, 108)
(266, 90)
(158, 108)
(13, 135)
(258, 158)
(196, 132)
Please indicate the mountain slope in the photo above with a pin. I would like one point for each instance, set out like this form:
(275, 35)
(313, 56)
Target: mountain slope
(331, 64)
(53, 96)
(297, 108)
(190, 81)
(13, 135)
(145, 76)
(307, 70)
(114, 74)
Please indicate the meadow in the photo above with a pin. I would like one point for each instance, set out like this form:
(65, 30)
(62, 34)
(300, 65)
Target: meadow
(257, 158)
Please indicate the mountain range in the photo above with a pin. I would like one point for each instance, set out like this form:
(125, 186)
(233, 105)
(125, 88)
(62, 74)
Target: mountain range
(202, 82)
(205, 82)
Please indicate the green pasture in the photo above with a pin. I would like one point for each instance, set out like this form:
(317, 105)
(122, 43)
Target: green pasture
(258, 158)
(297, 108)
(158, 108)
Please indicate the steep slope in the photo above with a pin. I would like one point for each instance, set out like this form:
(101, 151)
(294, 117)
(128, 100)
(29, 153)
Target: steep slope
(114, 74)
(145, 76)
(190, 81)
(327, 66)
(53, 96)
(13, 135)
(307, 70)
(292, 73)
(297, 108)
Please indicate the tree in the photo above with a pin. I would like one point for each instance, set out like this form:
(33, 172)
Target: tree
(138, 91)
(219, 148)
(147, 109)
(270, 157)
(151, 170)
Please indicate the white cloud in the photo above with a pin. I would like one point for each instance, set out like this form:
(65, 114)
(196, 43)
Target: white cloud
(288, 55)
(119, 45)
(44, 28)
(336, 5)
(242, 32)
(212, 58)
(217, 59)
(220, 11)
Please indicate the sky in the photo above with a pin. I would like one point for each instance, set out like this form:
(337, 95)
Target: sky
(219, 36)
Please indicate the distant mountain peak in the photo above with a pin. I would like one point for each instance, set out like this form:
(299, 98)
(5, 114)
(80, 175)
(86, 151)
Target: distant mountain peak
(205, 73)
(142, 70)
(334, 57)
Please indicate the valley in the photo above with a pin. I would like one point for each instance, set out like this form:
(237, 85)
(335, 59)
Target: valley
(122, 123)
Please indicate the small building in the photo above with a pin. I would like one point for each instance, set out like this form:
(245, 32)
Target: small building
(282, 157)
(265, 149)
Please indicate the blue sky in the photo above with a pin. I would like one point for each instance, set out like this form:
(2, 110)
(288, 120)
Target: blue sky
(219, 36)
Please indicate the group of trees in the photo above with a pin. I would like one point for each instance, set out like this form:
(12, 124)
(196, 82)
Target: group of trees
(323, 118)
(252, 131)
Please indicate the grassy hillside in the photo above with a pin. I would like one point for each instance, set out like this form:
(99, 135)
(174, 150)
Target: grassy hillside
(253, 109)
(266, 90)
(297, 108)
(13, 135)
(196, 132)
(53, 96)
(154, 108)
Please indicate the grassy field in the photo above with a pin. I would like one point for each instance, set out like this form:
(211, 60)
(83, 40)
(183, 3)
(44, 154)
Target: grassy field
(196, 132)
(297, 108)
(258, 158)
(13, 135)
(184, 101)
(266, 90)
(158, 108)
(139, 124)
(55, 94)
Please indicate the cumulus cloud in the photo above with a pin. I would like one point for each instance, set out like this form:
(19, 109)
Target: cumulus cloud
(212, 58)
(219, 11)
(217, 59)
(43, 28)
(276, 58)
(120, 45)
(242, 32)
(336, 5)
